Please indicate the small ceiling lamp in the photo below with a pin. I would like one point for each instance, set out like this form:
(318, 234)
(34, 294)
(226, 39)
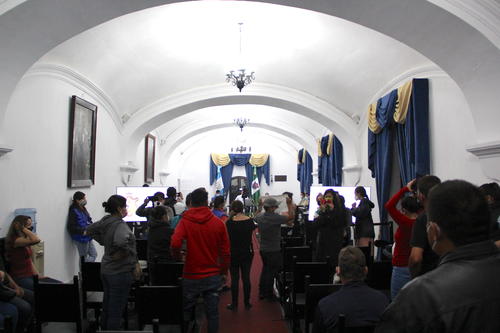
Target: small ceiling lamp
(241, 122)
(239, 77)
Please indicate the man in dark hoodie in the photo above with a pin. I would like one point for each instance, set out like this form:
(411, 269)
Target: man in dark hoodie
(207, 259)
(171, 199)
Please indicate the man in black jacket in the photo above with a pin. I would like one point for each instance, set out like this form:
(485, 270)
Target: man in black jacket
(463, 293)
(361, 305)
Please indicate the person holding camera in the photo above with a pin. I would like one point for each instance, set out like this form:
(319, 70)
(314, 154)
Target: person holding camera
(157, 199)
(404, 218)
(78, 221)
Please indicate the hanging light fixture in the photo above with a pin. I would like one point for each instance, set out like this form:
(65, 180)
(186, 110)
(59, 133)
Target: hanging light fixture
(241, 122)
(239, 77)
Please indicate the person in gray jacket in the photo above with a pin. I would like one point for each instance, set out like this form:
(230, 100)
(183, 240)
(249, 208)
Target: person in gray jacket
(119, 263)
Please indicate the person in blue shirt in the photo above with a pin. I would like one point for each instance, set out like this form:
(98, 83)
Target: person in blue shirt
(78, 221)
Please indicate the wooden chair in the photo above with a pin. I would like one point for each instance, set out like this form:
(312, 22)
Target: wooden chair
(156, 329)
(92, 287)
(300, 253)
(367, 251)
(142, 249)
(59, 302)
(379, 275)
(341, 328)
(8, 326)
(318, 272)
(292, 241)
(314, 293)
(160, 302)
(165, 274)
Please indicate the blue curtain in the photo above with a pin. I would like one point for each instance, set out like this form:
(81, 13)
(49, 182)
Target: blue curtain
(304, 171)
(413, 136)
(380, 155)
(338, 161)
(226, 173)
(239, 160)
(324, 163)
(330, 166)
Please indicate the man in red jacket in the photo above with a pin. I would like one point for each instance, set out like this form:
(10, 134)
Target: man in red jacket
(207, 259)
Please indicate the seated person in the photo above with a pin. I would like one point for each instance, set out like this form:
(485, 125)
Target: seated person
(463, 293)
(18, 251)
(361, 305)
(18, 242)
(16, 302)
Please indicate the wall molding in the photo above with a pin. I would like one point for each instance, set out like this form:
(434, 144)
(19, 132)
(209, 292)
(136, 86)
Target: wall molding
(78, 81)
(488, 154)
(483, 15)
(489, 149)
(5, 150)
(6, 5)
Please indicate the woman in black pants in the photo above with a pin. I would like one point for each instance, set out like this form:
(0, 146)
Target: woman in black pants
(240, 229)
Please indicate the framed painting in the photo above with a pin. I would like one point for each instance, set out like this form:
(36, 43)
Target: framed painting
(82, 143)
(149, 158)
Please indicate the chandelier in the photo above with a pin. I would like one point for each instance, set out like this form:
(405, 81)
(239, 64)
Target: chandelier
(239, 77)
(241, 122)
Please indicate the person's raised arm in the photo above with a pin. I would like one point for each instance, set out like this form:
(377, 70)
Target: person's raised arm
(141, 210)
(391, 208)
(30, 238)
(291, 211)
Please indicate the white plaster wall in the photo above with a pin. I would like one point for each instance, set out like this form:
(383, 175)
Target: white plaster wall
(451, 131)
(34, 174)
(190, 162)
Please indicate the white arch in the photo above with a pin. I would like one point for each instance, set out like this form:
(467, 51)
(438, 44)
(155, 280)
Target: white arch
(467, 56)
(319, 111)
(185, 135)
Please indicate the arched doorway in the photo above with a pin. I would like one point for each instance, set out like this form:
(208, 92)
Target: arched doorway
(236, 184)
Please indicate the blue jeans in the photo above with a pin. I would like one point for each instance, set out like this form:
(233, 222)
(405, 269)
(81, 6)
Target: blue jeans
(271, 265)
(116, 290)
(400, 277)
(86, 250)
(209, 289)
(8, 309)
(29, 284)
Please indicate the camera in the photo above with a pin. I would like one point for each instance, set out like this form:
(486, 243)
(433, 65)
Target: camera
(152, 198)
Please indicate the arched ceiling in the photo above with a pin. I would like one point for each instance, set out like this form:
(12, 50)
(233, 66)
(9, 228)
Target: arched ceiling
(142, 57)
(342, 54)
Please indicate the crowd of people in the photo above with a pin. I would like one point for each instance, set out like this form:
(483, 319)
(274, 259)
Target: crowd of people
(444, 265)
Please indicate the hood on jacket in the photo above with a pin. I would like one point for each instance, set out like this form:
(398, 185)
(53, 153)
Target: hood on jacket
(200, 215)
(154, 223)
(107, 220)
(371, 204)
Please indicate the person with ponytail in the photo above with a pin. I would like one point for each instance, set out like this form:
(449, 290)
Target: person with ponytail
(119, 264)
(364, 231)
(78, 221)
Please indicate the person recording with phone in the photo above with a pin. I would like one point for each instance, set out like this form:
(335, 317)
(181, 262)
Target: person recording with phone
(331, 223)
(143, 211)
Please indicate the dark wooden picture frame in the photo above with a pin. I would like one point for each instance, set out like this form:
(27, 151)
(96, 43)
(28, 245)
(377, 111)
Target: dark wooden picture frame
(82, 143)
(149, 158)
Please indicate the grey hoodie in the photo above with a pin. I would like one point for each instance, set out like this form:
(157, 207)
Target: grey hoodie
(120, 254)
